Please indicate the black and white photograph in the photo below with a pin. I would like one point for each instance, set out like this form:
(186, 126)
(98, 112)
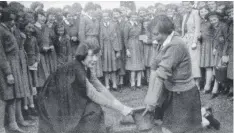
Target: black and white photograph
(116, 66)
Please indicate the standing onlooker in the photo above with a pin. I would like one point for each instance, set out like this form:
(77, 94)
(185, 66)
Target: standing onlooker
(73, 18)
(134, 49)
(43, 72)
(110, 47)
(13, 89)
(72, 31)
(33, 56)
(212, 5)
(6, 77)
(148, 49)
(62, 46)
(119, 19)
(23, 59)
(219, 40)
(177, 18)
(191, 33)
(229, 48)
(207, 57)
(89, 31)
(37, 6)
(48, 43)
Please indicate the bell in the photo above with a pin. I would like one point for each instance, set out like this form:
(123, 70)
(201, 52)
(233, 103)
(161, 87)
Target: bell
(143, 122)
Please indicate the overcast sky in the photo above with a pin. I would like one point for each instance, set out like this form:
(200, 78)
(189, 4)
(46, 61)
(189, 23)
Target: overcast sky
(104, 4)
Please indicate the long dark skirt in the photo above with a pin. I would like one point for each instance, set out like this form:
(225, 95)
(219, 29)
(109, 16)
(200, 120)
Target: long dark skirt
(182, 111)
(92, 121)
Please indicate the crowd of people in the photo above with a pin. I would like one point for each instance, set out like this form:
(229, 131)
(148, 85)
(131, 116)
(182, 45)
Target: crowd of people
(34, 43)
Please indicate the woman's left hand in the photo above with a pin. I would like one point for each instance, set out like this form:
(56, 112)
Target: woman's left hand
(149, 108)
(127, 111)
(117, 54)
(225, 59)
(194, 46)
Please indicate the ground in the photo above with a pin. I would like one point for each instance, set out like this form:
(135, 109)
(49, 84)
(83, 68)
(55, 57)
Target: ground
(222, 109)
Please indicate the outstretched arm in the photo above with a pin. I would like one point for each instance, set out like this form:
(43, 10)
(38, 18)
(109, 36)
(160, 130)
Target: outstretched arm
(100, 98)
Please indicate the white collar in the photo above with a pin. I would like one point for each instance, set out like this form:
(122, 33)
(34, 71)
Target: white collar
(106, 23)
(168, 40)
(37, 24)
(86, 14)
(132, 23)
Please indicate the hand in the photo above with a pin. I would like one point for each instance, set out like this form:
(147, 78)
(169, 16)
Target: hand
(214, 52)
(51, 48)
(128, 53)
(127, 111)
(35, 65)
(46, 48)
(145, 41)
(194, 46)
(22, 35)
(74, 38)
(149, 108)
(10, 79)
(225, 59)
(117, 54)
(155, 42)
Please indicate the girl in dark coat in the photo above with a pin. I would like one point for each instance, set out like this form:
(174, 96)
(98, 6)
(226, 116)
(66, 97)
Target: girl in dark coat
(120, 23)
(73, 32)
(48, 44)
(134, 49)
(62, 46)
(207, 57)
(33, 55)
(42, 72)
(71, 98)
(110, 47)
(229, 49)
(14, 91)
(219, 42)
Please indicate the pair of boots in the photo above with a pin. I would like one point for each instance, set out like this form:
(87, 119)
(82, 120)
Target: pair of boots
(15, 117)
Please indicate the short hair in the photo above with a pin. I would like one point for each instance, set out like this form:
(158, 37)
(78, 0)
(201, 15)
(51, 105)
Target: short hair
(3, 4)
(117, 10)
(165, 25)
(89, 6)
(41, 12)
(76, 6)
(204, 7)
(107, 11)
(97, 6)
(6, 15)
(171, 6)
(35, 4)
(191, 2)
(83, 48)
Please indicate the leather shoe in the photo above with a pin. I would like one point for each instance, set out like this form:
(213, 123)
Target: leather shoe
(206, 91)
(214, 96)
(133, 88)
